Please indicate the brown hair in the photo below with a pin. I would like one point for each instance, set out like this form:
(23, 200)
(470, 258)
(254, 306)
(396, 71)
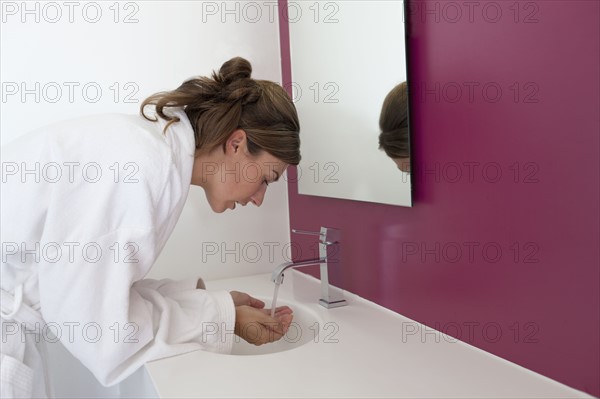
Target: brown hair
(231, 100)
(393, 123)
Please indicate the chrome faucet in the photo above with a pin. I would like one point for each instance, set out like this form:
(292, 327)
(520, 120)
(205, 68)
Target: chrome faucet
(331, 297)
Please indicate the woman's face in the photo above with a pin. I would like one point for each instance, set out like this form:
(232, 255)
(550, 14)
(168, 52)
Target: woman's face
(234, 176)
(403, 164)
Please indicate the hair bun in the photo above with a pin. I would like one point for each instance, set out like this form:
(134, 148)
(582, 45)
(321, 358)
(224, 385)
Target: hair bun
(235, 69)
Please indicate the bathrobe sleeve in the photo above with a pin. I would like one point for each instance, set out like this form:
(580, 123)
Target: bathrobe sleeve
(114, 321)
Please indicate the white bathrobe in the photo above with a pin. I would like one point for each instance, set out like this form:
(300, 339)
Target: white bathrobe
(87, 206)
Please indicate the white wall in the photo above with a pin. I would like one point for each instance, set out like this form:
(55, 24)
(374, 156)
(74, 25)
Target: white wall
(170, 42)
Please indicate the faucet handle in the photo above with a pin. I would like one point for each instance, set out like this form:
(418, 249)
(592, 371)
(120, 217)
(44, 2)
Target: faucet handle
(327, 235)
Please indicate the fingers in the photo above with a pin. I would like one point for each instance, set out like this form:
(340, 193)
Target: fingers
(273, 324)
(256, 303)
(279, 324)
(257, 327)
(241, 298)
(283, 309)
(285, 320)
(280, 310)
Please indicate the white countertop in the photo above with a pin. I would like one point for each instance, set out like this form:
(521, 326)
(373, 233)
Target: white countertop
(362, 352)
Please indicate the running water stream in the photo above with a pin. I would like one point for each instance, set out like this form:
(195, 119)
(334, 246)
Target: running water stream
(274, 303)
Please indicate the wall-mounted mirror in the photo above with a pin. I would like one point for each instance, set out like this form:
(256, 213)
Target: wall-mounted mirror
(348, 62)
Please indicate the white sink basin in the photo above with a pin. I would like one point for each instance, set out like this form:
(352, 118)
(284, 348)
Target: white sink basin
(304, 327)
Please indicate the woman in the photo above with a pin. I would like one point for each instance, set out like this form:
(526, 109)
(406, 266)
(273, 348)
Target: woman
(88, 204)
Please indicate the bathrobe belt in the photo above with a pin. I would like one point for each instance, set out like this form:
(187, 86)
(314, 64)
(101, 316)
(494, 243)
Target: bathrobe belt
(17, 378)
(13, 308)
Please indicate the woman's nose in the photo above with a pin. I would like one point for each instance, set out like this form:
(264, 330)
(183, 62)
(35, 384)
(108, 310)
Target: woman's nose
(259, 196)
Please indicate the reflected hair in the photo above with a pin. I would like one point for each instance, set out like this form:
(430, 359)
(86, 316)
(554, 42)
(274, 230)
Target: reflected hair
(229, 100)
(393, 123)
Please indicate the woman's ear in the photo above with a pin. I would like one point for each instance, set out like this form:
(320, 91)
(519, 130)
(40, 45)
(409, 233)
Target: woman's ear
(236, 141)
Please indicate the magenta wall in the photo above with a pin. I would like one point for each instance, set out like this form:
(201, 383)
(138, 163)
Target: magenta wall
(535, 303)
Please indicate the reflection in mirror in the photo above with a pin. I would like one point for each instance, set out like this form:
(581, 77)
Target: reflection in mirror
(393, 123)
(345, 58)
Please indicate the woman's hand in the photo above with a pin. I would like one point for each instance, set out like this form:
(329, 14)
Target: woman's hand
(257, 327)
(241, 298)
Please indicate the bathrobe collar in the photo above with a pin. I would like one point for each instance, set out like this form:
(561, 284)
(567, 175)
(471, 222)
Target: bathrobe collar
(180, 137)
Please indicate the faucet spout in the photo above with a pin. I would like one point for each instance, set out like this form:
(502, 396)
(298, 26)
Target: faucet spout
(277, 275)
